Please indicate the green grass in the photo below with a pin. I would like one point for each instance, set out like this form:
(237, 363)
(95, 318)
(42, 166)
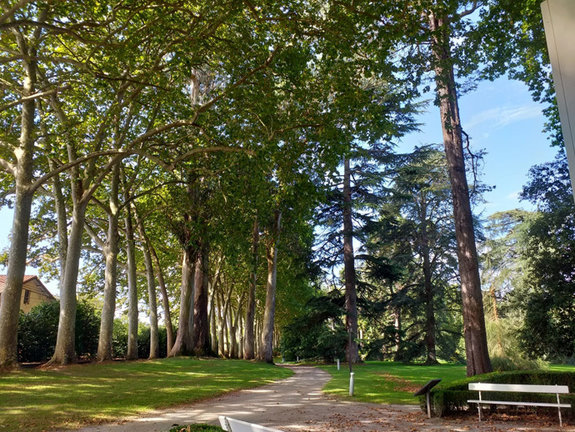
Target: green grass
(36, 400)
(388, 382)
(395, 383)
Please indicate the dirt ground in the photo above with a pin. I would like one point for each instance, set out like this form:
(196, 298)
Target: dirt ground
(298, 405)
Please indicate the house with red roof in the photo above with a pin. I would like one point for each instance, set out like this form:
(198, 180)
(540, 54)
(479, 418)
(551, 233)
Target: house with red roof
(33, 292)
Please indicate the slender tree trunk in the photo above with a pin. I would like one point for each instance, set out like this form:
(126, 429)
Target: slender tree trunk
(352, 352)
(182, 344)
(249, 339)
(201, 340)
(428, 289)
(110, 251)
(213, 323)
(165, 301)
(398, 339)
(132, 353)
(266, 352)
(151, 282)
(221, 317)
(10, 301)
(478, 361)
(65, 350)
(62, 221)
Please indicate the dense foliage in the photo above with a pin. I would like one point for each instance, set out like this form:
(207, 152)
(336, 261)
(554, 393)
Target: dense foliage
(37, 331)
(530, 265)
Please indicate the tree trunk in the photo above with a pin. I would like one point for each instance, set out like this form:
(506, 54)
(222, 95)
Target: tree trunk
(62, 221)
(165, 301)
(10, 301)
(132, 353)
(473, 318)
(65, 350)
(249, 351)
(352, 352)
(428, 289)
(201, 334)
(110, 251)
(235, 319)
(398, 337)
(182, 344)
(266, 351)
(151, 282)
(213, 322)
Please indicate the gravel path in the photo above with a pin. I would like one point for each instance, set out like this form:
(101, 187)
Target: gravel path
(297, 404)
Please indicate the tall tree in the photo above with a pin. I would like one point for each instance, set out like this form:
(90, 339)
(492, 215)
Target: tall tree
(441, 22)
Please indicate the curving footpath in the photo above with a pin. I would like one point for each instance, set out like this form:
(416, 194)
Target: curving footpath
(297, 404)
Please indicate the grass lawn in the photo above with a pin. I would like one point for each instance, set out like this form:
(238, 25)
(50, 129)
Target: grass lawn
(395, 383)
(388, 382)
(36, 400)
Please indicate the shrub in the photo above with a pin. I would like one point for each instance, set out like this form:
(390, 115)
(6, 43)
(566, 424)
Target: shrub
(318, 332)
(144, 342)
(453, 398)
(37, 331)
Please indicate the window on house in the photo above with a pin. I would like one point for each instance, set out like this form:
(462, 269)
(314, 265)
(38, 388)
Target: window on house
(26, 296)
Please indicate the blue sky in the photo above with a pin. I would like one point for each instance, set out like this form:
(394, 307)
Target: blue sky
(502, 119)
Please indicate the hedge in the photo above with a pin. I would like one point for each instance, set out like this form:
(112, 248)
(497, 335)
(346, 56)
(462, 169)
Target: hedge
(451, 398)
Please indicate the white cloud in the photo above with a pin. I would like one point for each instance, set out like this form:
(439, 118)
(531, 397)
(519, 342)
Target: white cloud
(503, 116)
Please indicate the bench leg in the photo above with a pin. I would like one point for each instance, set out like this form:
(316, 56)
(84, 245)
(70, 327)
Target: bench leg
(560, 419)
(479, 410)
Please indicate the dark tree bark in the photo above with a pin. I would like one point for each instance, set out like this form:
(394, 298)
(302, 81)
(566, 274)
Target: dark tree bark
(352, 352)
(201, 333)
(478, 361)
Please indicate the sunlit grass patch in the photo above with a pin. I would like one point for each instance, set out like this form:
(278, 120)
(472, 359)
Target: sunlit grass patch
(388, 382)
(36, 400)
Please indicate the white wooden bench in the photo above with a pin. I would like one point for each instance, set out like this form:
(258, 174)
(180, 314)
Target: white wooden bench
(233, 425)
(519, 388)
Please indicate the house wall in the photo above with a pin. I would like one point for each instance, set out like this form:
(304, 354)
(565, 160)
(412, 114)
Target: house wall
(35, 298)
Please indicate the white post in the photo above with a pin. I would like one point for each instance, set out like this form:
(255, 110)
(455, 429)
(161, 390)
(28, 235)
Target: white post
(338, 365)
(559, 409)
(297, 359)
(351, 383)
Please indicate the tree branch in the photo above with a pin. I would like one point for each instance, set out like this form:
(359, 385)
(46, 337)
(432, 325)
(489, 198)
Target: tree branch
(33, 96)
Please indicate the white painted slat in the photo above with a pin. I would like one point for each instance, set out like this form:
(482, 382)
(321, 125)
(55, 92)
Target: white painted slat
(519, 388)
(541, 404)
(233, 425)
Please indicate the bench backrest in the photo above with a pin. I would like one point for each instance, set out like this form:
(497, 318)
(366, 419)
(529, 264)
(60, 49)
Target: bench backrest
(519, 388)
(233, 425)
